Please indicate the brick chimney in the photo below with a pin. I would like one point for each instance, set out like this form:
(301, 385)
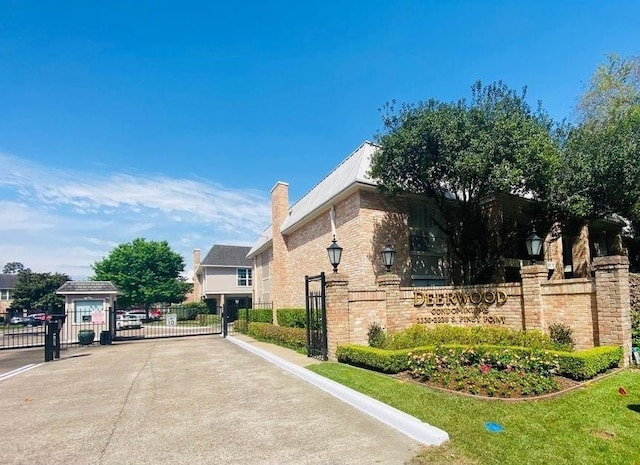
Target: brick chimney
(197, 291)
(279, 272)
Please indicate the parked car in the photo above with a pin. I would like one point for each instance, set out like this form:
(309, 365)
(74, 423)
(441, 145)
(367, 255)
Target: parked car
(31, 321)
(16, 320)
(128, 322)
(154, 315)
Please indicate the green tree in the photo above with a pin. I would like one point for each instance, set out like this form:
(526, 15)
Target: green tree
(613, 90)
(13, 268)
(37, 291)
(461, 153)
(600, 168)
(145, 272)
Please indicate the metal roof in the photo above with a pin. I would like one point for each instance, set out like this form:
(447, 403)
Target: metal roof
(351, 171)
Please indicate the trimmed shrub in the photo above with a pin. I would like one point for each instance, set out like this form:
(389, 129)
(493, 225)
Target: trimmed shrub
(295, 338)
(376, 335)
(585, 364)
(187, 312)
(292, 317)
(259, 315)
(560, 334)
(580, 365)
(387, 361)
(420, 335)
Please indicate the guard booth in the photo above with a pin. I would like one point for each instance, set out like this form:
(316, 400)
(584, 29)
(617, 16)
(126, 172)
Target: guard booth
(88, 306)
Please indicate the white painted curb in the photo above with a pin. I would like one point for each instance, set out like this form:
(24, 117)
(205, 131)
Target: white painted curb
(406, 424)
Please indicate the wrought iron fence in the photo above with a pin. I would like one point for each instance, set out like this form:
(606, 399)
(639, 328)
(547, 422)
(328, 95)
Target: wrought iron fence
(239, 318)
(21, 331)
(171, 321)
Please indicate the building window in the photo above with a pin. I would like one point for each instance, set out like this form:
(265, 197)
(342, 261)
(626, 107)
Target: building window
(84, 308)
(4, 294)
(427, 246)
(244, 277)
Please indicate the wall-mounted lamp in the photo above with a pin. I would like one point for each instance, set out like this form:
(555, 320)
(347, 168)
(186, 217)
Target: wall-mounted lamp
(388, 256)
(335, 254)
(534, 246)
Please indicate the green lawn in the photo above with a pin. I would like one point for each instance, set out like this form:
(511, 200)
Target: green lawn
(594, 424)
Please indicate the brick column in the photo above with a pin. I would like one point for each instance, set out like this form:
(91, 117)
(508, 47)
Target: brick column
(390, 283)
(613, 301)
(337, 311)
(532, 306)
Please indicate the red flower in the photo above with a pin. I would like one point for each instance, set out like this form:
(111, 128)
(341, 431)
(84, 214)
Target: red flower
(485, 369)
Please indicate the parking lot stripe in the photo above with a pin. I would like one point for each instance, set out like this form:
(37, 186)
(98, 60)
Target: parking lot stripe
(17, 371)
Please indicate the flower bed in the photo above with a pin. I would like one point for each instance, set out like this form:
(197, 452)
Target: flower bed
(485, 371)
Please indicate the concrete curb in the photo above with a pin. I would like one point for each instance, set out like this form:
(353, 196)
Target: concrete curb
(406, 424)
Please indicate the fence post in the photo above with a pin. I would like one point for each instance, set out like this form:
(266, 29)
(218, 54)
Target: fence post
(225, 320)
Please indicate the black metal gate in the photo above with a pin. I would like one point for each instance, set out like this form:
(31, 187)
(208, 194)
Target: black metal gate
(316, 316)
(173, 321)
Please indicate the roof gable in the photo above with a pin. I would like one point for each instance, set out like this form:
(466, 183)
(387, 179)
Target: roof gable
(87, 287)
(227, 255)
(353, 170)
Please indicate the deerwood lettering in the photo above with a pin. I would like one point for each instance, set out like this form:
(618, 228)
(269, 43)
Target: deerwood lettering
(445, 299)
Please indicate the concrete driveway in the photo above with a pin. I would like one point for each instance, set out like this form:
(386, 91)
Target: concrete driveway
(199, 400)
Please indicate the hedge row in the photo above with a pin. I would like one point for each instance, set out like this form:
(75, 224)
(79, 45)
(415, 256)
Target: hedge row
(295, 338)
(387, 361)
(579, 365)
(292, 317)
(257, 314)
(586, 364)
(420, 335)
(288, 317)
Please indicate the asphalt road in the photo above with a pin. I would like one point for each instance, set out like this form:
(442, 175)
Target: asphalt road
(198, 400)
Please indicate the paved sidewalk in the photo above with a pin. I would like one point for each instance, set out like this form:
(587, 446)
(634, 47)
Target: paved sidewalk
(199, 400)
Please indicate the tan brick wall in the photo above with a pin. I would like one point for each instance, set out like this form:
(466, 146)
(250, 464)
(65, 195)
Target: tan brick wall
(573, 303)
(597, 310)
(363, 225)
(613, 300)
(280, 267)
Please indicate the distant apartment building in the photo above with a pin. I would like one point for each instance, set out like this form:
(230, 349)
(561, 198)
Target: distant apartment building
(224, 277)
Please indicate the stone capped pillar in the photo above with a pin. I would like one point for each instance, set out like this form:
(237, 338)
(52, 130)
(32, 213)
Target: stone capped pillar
(390, 283)
(337, 294)
(613, 302)
(533, 276)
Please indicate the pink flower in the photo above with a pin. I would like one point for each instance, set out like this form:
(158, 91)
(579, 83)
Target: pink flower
(485, 369)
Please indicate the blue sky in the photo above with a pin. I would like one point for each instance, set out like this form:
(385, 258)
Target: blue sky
(173, 120)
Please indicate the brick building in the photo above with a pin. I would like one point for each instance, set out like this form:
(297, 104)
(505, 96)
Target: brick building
(347, 204)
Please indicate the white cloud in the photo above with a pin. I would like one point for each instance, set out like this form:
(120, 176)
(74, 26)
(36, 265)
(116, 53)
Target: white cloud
(59, 220)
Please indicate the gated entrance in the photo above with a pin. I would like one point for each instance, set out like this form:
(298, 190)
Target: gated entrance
(316, 316)
(174, 321)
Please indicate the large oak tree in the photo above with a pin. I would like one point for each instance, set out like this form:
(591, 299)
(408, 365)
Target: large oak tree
(461, 153)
